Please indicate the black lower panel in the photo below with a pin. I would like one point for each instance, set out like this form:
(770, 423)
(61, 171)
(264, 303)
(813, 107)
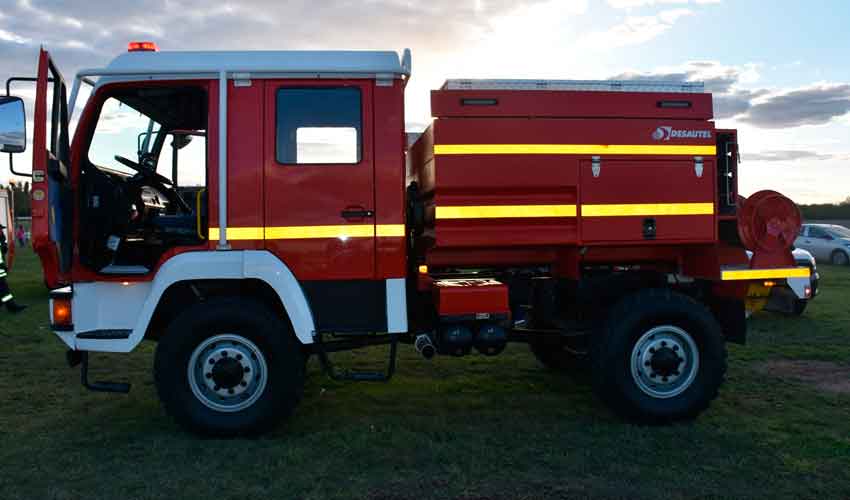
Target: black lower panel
(348, 306)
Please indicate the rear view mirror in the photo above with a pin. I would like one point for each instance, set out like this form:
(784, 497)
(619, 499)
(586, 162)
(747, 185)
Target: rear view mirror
(13, 125)
(180, 141)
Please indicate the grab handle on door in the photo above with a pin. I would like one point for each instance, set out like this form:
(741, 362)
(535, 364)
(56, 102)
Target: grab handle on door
(357, 213)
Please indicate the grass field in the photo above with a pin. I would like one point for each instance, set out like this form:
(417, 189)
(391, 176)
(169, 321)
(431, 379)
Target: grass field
(471, 428)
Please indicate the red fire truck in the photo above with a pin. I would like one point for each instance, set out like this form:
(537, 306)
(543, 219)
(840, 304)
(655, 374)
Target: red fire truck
(597, 221)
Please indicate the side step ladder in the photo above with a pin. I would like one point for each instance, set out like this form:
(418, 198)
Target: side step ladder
(82, 358)
(321, 350)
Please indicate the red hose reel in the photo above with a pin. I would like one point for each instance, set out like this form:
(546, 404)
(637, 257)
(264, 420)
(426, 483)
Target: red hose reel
(768, 224)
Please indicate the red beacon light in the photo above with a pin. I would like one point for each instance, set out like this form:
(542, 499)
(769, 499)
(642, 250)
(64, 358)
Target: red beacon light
(142, 47)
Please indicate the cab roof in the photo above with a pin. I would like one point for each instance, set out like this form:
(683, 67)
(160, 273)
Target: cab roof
(282, 61)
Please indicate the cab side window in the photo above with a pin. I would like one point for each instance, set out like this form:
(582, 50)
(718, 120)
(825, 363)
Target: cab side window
(317, 126)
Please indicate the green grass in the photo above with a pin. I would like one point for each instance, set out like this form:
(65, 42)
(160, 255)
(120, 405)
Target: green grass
(471, 428)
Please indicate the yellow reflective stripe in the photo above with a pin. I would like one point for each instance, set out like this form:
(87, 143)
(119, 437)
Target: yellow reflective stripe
(763, 274)
(311, 232)
(239, 233)
(504, 211)
(6, 298)
(607, 210)
(573, 149)
(647, 209)
(389, 230)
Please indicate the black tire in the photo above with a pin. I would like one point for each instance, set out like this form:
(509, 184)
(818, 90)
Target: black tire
(250, 320)
(557, 357)
(628, 323)
(839, 258)
(799, 307)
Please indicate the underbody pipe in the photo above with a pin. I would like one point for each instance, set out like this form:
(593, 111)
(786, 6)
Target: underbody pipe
(424, 346)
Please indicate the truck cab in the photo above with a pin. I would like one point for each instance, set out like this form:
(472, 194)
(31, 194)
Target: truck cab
(167, 165)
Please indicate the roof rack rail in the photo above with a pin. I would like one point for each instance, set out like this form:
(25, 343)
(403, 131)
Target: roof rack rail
(582, 85)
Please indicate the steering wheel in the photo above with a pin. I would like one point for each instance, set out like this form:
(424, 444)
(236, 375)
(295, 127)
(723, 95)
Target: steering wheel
(145, 172)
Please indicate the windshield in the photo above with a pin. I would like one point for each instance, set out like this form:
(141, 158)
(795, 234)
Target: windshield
(840, 231)
(122, 131)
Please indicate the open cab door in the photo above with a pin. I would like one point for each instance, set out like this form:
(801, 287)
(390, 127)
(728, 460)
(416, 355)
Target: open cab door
(52, 208)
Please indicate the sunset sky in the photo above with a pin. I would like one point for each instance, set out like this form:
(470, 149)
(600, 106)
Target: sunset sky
(779, 70)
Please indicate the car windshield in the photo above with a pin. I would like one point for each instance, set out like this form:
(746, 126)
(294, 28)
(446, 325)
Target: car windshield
(840, 231)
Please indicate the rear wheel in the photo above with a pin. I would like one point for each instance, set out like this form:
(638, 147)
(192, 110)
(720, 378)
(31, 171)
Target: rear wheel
(229, 367)
(660, 357)
(558, 357)
(839, 258)
(799, 307)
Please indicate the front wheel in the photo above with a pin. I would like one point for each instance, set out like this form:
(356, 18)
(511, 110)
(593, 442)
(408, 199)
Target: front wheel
(228, 367)
(839, 258)
(660, 357)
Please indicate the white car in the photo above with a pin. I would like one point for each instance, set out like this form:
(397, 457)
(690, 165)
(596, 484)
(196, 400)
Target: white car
(827, 242)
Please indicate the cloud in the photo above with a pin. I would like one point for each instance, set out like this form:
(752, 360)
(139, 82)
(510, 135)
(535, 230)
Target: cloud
(817, 104)
(93, 35)
(634, 30)
(813, 105)
(719, 79)
(791, 155)
(8, 36)
(631, 4)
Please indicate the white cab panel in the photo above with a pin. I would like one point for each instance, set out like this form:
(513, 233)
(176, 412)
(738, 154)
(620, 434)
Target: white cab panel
(104, 306)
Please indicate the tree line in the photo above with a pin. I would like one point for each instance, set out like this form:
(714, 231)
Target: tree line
(827, 211)
(21, 197)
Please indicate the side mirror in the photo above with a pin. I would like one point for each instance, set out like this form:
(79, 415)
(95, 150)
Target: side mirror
(180, 141)
(13, 125)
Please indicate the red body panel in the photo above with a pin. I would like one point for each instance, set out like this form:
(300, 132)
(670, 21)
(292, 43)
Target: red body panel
(647, 181)
(467, 297)
(316, 195)
(575, 104)
(245, 159)
(46, 249)
(627, 177)
(390, 143)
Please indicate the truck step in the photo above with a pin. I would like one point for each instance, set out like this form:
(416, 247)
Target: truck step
(83, 358)
(354, 375)
(117, 269)
(104, 334)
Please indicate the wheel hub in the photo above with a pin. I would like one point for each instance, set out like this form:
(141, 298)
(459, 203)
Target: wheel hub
(664, 361)
(227, 373)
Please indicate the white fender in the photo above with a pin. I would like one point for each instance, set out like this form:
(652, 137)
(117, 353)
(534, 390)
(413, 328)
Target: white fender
(255, 264)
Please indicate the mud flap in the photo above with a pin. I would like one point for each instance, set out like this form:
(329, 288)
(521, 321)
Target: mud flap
(781, 300)
(732, 316)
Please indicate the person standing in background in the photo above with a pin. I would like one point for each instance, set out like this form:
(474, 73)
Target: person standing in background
(6, 297)
(21, 236)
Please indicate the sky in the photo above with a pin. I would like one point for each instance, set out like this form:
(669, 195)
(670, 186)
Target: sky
(778, 70)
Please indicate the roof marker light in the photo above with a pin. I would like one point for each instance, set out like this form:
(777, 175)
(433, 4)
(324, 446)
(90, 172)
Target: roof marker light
(142, 47)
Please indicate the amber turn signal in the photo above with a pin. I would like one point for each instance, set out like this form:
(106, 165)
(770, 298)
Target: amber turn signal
(62, 312)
